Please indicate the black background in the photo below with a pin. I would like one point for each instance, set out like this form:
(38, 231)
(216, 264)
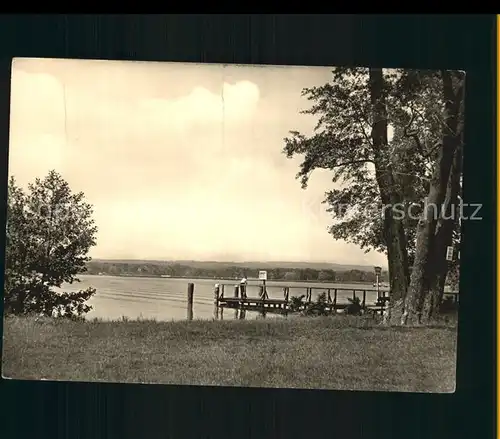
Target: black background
(78, 410)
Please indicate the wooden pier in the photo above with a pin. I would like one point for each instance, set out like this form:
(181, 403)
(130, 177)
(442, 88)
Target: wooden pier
(230, 296)
(263, 303)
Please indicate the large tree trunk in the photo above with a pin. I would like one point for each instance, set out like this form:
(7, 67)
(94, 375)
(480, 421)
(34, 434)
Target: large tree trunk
(426, 252)
(394, 233)
(443, 238)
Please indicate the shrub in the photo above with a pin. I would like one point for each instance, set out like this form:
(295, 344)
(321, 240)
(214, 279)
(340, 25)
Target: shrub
(49, 233)
(355, 307)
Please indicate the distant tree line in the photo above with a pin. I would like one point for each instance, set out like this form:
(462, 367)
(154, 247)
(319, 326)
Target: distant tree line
(228, 272)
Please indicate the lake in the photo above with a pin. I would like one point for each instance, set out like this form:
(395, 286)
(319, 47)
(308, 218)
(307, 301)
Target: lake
(166, 298)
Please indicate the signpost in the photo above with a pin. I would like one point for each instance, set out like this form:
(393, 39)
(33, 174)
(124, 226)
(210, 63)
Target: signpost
(378, 272)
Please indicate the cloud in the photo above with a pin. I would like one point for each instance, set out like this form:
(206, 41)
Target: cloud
(76, 129)
(43, 102)
(236, 102)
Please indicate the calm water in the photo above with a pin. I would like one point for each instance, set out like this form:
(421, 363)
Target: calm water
(166, 299)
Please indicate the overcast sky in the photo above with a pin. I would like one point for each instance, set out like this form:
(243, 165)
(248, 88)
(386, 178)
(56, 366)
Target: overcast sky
(180, 161)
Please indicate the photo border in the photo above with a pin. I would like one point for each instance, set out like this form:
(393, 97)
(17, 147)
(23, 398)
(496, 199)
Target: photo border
(70, 409)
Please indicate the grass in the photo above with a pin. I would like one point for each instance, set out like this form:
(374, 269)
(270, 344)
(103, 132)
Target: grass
(331, 353)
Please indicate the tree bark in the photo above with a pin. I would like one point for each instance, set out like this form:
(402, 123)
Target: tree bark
(426, 252)
(443, 238)
(394, 233)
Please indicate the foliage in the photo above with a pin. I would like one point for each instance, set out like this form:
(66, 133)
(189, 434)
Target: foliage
(355, 307)
(49, 233)
(453, 276)
(319, 307)
(342, 143)
(296, 303)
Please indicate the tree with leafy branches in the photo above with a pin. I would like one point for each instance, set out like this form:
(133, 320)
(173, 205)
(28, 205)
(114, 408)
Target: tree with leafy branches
(50, 231)
(354, 113)
(372, 169)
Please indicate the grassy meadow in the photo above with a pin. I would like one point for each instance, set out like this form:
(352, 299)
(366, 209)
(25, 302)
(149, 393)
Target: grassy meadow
(341, 352)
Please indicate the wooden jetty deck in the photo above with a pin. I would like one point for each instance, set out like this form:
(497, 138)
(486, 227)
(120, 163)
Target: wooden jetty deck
(336, 299)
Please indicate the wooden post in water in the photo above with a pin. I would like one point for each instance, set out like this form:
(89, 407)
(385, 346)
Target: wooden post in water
(329, 299)
(216, 301)
(243, 288)
(335, 300)
(262, 294)
(190, 301)
(236, 295)
(286, 296)
(221, 308)
(364, 298)
(378, 272)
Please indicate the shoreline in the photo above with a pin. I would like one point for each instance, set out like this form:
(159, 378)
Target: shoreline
(218, 279)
